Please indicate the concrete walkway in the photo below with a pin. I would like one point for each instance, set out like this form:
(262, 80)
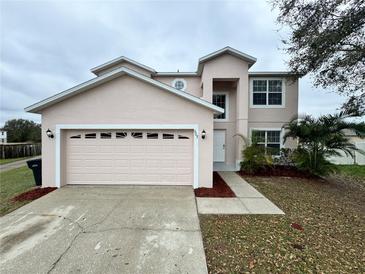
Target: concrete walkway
(17, 164)
(248, 200)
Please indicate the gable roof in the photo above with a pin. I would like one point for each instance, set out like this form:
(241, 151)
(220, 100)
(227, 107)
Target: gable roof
(226, 50)
(119, 60)
(37, 107)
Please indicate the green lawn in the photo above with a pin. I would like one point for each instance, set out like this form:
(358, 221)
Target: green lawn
(332, 214)
(12, 183)
(7, 161)
(352, 170)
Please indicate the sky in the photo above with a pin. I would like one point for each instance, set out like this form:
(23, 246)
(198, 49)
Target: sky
(49, 46)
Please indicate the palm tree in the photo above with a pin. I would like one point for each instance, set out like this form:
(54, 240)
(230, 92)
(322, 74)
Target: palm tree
(320, 138)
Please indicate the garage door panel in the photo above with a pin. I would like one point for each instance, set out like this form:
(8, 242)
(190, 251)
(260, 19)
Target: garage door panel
(88, 170)
(129, 160)
(91, 177)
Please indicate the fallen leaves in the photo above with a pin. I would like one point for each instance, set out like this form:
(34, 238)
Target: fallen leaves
(330, 221)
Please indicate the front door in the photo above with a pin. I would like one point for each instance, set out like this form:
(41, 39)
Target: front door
(219, 145)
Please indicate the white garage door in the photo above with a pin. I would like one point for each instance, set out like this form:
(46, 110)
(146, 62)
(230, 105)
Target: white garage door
(163, 157)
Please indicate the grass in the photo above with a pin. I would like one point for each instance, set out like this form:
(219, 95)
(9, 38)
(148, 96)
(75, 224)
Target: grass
(7, 161)
(12, 183)
(332, 214)
(352, 170)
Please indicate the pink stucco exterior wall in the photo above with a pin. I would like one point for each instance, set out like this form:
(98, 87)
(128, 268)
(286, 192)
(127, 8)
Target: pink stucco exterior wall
(126, 100)
(193, 83)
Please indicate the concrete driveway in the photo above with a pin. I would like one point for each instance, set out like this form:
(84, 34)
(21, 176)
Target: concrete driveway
(107, 229)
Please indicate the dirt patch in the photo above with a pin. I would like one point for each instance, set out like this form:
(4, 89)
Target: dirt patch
(220, 189)
(283, 171)
(33, 194)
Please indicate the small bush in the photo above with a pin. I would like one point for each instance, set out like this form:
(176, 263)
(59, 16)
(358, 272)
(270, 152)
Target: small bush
(254, 158)
(314, 163)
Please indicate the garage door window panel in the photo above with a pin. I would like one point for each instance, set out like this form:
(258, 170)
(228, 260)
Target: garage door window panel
(105, 135)
(167, 136)
(152, 135)
(90, 135)
(137, 135)
(78, 136)
(121, 135)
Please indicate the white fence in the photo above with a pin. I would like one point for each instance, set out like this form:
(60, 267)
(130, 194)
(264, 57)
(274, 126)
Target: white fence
(348, 160)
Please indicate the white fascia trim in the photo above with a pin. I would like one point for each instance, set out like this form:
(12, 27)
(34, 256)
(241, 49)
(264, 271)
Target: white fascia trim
(95, 70)
(267, 106)
(176, 74)
(227, 106)
(60, 127)
(228, 50)
(270, 73)
(111, 75)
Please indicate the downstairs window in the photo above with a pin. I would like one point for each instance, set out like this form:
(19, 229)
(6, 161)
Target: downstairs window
(269, 139)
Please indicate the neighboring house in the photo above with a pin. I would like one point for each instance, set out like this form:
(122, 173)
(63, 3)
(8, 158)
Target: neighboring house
(359, 158)
(3, 137)
(134, 125)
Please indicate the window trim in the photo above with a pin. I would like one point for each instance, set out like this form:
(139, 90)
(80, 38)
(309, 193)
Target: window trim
(283, 91)
(226, 110)
(282, 145)
(179, 79)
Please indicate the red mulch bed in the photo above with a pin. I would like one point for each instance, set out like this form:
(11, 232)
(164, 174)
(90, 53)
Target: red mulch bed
(284, 171)
(33, 194)
(219, 190)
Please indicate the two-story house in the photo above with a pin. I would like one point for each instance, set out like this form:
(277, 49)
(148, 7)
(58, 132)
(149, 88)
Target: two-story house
(133, 125)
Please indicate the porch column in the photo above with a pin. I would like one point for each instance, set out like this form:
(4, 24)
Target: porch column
(242, 104)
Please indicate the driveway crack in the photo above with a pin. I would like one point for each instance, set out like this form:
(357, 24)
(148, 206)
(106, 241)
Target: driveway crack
(65, 251)
(106, 216)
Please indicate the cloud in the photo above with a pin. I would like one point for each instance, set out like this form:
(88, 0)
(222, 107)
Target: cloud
(49, 46)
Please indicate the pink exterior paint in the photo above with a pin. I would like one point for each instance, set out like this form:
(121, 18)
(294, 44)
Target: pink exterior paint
(126, 100)
(193, 83)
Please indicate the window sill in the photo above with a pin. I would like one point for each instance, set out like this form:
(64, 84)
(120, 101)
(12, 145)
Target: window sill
(267, 106)
(220, 120)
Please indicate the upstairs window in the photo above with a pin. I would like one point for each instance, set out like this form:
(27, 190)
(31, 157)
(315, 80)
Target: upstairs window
(267, 92)
(220, 100)
(269, 139)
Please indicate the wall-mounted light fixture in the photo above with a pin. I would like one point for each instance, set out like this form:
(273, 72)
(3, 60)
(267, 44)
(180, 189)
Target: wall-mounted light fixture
(49, 133)
(204, 134)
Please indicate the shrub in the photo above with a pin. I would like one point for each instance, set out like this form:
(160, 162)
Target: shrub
(320, 138)
(254, 158)
(315, 164)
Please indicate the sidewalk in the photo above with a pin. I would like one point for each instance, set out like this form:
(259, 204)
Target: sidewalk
(17, 164)
(248, 200)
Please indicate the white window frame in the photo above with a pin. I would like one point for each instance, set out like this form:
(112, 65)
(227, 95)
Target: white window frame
(61, 127)
(269, 129)
(283, 91)
(226, 111)
(179, 79)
